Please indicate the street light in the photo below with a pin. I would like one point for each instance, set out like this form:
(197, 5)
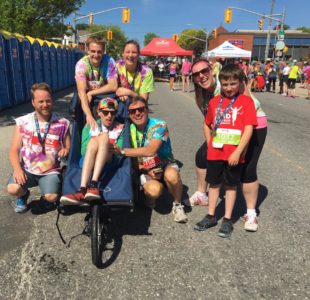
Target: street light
(207, 33)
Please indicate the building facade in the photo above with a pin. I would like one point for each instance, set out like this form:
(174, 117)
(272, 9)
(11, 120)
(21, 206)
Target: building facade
(297, 43)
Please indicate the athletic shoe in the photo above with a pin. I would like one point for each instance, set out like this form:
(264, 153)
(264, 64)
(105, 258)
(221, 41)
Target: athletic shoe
(284, 94)
(73, 199)
(198, 198)
(207, 222)
(226, 229)
(21, 203)
(178, 213)
(92, 193)
(250, 223)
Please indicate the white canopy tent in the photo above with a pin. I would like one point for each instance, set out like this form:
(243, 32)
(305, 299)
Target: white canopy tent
(228, 50)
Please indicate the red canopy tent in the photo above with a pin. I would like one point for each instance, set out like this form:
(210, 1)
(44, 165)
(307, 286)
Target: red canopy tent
(164, 47)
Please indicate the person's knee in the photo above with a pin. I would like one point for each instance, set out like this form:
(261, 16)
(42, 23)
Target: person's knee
(153, 189)
(92, 145)
(51, 197)
(172, 176)
(15, 189)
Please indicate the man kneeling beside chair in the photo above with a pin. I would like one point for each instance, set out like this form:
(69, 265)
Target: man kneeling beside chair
(152, 148)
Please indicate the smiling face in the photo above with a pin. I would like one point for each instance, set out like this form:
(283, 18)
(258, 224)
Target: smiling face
(130, 56)
(202, 75)
(42, 103)
(138, 114)
(230, 87)
(95, 52)
(107, 116)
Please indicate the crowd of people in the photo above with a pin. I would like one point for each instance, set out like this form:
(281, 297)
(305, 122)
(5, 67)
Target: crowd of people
(235, 128)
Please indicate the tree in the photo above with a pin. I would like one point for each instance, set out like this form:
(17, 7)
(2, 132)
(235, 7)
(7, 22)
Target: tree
(193, 39)
(82, 26)
(40, 18)
(148, 37)
(304, 29)
(115, 46)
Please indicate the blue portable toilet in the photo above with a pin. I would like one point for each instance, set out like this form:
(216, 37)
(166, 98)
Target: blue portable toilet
(53, 63)
(36, 62)
(6, 99)
(16, 71)
(47, 76)
(27, 68)
(61, 83)
(65, 67)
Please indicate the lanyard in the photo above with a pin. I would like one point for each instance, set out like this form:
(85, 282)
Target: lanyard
(47, 127)
(219, 118)
(132, 84)
(92, 71)
(141, 144)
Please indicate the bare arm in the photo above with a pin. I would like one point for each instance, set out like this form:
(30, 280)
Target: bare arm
(233, 159)
(64, 151)
(110, 87)
(207, 133)
(124, 93)
(18, 173)
(150, 150)
(82, 91)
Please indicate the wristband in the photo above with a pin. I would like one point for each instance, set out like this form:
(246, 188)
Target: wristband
(122, 152)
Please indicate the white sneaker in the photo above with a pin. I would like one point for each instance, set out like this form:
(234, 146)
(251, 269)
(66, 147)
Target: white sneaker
(250, 223)
(198, 198)
(178, 213)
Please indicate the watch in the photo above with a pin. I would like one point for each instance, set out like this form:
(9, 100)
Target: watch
(122, 152)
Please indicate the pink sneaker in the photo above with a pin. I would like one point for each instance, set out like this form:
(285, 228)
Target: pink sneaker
(198, 198)
(250, 223)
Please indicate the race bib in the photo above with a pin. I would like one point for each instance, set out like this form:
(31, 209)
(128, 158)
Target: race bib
(226, 137)
(94, 84)
(150, 162)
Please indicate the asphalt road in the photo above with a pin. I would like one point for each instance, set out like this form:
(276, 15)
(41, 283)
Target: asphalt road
(152, 257)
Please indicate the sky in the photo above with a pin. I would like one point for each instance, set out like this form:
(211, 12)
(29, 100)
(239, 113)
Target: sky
(165, 18)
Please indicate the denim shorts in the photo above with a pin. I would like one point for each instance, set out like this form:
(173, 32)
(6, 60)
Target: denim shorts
(48, 184)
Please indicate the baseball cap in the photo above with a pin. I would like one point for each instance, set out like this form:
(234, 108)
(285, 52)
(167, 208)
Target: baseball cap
(107, 102)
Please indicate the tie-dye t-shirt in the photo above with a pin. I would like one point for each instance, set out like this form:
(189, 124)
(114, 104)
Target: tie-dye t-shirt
(94, 76)
(33, 160)
(142, 79)
(156, 129)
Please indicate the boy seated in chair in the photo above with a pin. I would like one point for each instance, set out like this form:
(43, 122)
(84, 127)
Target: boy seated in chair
(96, 152)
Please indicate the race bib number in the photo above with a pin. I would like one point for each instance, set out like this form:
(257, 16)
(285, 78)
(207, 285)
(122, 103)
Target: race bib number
(226, 137)
(94, 84)
(150, 162)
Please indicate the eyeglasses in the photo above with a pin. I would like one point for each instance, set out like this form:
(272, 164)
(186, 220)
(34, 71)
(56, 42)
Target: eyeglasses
(134, 110)
(204, 71)
(107, 112)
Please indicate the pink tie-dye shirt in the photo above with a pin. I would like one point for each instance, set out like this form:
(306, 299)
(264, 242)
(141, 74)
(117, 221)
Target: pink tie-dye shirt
(33, 160)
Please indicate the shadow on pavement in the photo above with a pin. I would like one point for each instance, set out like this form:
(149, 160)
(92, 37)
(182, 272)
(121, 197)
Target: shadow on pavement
(240, 207)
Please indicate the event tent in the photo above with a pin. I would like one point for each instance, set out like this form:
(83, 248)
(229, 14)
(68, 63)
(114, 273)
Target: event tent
(228, 50)
(164, 47)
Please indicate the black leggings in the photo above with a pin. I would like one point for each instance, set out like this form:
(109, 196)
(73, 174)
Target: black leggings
(257, 141)
(249, 173)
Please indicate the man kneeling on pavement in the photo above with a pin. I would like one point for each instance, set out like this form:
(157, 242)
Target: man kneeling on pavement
(152, 147)
(40, 139)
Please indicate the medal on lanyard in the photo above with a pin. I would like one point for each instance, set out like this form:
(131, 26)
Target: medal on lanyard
(219, 118)
(47, 127)
(132, 84)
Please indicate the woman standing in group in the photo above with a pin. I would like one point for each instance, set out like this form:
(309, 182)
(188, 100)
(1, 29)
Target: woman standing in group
(186, 69)
(206, 87)
(134, 78)
(172, 73)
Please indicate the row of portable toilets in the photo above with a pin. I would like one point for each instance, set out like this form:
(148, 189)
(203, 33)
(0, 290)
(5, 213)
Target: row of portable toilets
(25, 61)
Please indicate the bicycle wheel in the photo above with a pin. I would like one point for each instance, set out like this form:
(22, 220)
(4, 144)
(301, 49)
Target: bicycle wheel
(96, 231)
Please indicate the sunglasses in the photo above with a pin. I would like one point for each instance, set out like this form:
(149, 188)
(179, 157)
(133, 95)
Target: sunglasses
(107, 112)
(204, 71)
(134, 110)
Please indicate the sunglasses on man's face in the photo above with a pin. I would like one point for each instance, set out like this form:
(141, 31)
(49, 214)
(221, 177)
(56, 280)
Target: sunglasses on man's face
(134, 110)
(204, 71)
(107, 112)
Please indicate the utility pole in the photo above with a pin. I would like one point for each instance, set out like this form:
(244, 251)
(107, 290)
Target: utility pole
(269, 30)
